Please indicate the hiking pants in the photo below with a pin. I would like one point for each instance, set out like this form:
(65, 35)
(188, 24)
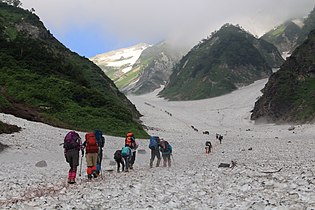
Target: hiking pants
(120, 161)
(155, 153)
(72, 157)
(99, 160)
(127, 162)
(167, 159)
(133, 158)
(91, 159)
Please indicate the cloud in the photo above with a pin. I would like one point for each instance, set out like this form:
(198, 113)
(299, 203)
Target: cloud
(186, 21)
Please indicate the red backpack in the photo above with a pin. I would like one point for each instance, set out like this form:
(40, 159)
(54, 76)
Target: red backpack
(91, 143)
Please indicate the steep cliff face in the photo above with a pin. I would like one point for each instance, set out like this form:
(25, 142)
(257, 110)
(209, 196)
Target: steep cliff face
(156, 64)
(284, 37)
(289, 95)
(230, 58)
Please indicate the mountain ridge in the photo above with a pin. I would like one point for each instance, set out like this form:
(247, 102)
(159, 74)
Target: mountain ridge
(70, 91)
(229, 58)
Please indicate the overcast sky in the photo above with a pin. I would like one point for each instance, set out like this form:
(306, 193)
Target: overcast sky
(91, 27)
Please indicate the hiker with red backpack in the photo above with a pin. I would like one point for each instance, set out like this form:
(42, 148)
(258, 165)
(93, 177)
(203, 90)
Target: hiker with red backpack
(72, 146)
(155, 152)
(166, 150)
(91, 154)
(130, 141)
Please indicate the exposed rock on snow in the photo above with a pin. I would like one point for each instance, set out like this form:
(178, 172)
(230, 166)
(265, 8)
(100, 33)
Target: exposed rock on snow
(41, 164)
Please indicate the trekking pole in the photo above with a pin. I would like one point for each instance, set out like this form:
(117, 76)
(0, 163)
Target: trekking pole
(81, 166)
(173, 159)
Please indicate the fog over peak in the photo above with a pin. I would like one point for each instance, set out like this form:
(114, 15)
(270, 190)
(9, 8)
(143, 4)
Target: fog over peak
(150, 21)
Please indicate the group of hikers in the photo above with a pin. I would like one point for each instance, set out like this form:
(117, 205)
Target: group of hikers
(93, 145)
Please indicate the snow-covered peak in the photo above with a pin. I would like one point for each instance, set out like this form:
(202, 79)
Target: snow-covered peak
(122, 58)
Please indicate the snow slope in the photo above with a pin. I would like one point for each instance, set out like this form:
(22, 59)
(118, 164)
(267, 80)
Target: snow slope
(122, 58)
(275, 165)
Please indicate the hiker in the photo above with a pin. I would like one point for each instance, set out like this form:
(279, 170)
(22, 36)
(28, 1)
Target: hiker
(119, 160)
(126, 153)
(130, 142)
(155, 152)
(220, 138)
(166, 150)
(91, 155)
(100, 142)
(208, 147)
(72, 146)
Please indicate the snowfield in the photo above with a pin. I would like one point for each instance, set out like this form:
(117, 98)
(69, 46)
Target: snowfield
(275, 163)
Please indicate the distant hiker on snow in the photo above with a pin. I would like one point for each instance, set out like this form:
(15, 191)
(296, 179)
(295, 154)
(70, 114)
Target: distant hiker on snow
(219, 137)
(166, 150)
(91, 155)
(208, 147)
(130, 142)
(155, 152)
(126, 153)
(72, 145)
(119, 160)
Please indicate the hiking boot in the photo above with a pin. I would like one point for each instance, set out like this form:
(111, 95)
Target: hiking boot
(71, 181)
(89, 176)
(95, 174)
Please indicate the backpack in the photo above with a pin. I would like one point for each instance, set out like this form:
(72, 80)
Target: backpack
(165, 147)
(91, 143)
(71, 141)
(153, 142)
(125, 151)
(130, 140)
(117, 155)
(99, 138)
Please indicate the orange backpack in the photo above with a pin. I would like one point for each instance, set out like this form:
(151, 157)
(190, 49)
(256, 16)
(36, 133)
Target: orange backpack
(130, 140)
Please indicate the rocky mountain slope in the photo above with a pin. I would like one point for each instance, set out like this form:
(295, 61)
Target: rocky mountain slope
(228, 59)
(289, 35)
(289, 95)
(44, 81)
(284, 36)
(156, 65)
(117, 64)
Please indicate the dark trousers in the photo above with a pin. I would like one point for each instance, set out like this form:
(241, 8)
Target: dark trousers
(120, 161)
(166, 160)
(133, 158)
(155, 153)
(127, 162)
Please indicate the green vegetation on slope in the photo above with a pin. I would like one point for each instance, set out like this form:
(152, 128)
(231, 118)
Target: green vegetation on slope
(289, 95)
(57, 86)
(220, 64)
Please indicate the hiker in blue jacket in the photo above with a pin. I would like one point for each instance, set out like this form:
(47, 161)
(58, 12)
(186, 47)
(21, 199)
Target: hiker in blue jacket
(126, 153)
(166, 150)
(155, 152)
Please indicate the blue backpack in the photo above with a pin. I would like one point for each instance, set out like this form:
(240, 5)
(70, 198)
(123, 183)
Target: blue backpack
(125, 151)
(153, 142)
(99, 138)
